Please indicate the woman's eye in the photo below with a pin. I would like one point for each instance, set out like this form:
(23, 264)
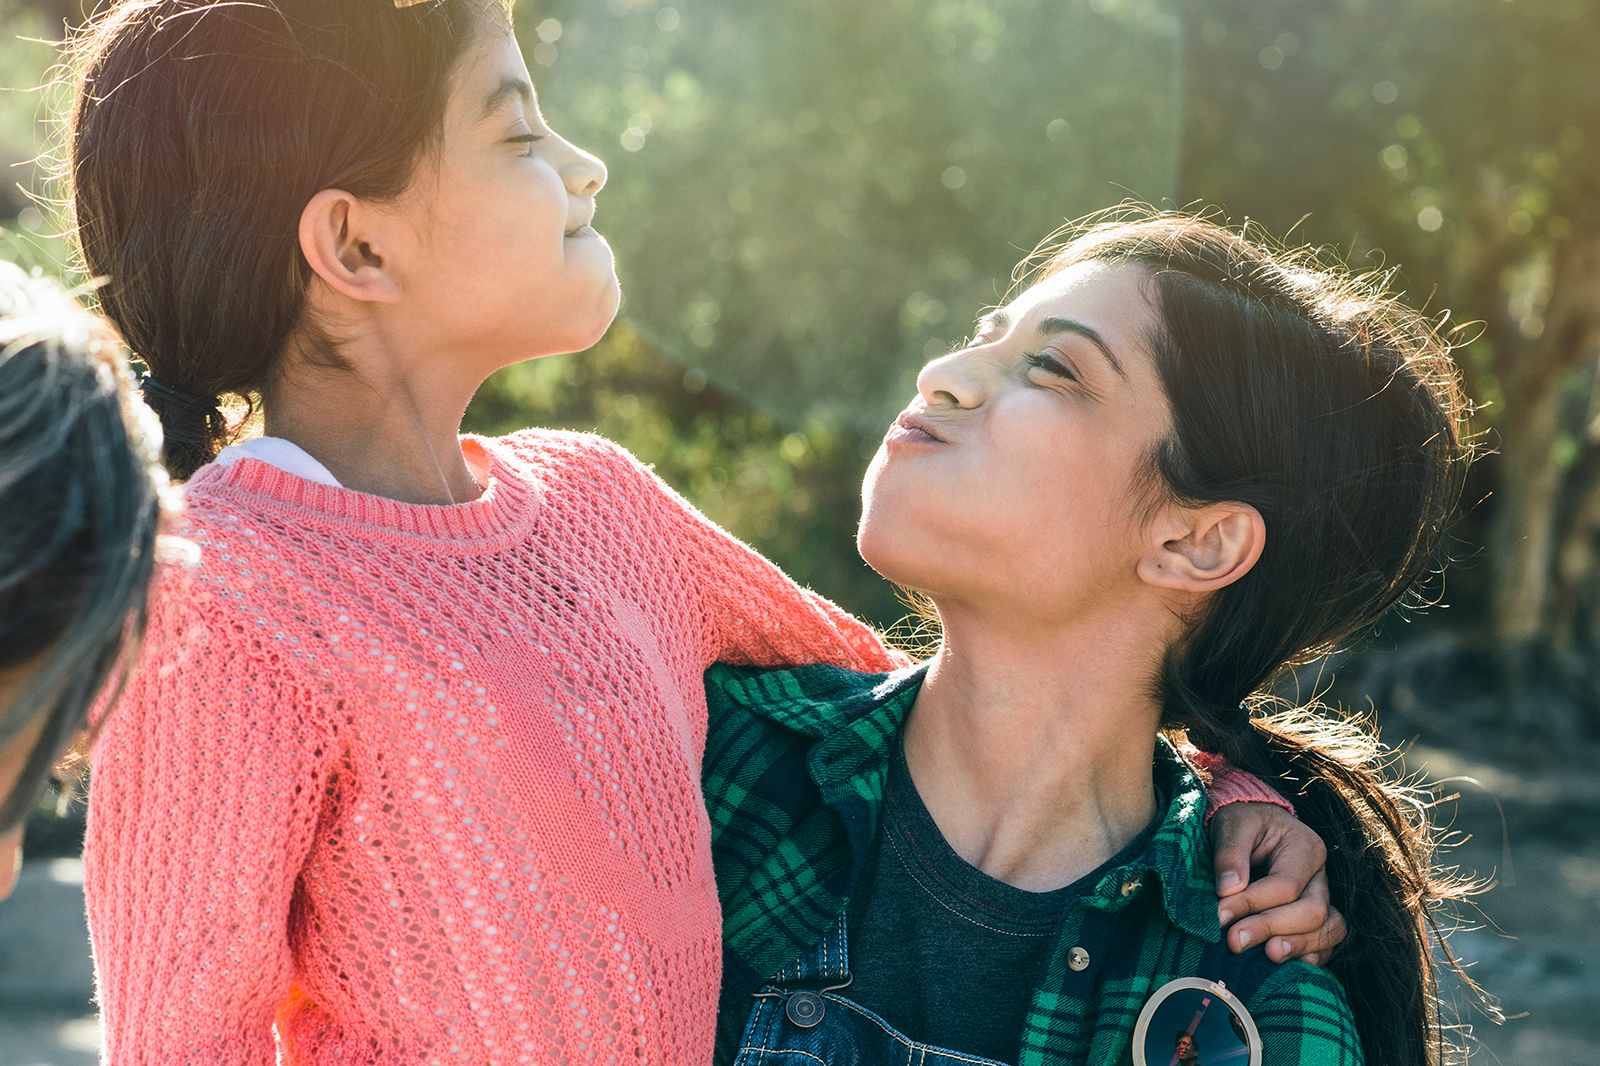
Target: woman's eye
(1050, 364)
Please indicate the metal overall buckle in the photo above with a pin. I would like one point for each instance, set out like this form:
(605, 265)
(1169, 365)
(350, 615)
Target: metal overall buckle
(804, 1008)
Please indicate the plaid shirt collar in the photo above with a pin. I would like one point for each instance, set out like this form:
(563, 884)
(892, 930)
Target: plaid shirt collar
(853, 720)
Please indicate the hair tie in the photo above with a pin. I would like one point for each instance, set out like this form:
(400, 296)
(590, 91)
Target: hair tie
(185, 418)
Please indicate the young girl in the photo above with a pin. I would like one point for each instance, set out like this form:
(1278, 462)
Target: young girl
(1155, 479)
(410, 772)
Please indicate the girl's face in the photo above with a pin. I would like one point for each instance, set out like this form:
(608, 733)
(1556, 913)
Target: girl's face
(498, 260)
(1014, 480)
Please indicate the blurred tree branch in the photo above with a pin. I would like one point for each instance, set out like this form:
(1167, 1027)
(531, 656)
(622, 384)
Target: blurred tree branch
(1462, 138)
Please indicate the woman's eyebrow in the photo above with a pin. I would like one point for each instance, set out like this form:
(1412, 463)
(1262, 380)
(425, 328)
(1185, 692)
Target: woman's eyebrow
(508, 90)
(1051, 326)
(997, 320)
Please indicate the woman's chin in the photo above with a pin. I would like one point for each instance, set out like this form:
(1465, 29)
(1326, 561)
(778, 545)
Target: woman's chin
(896, 557)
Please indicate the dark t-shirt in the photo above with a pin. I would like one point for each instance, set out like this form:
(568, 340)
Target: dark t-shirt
(940, 950)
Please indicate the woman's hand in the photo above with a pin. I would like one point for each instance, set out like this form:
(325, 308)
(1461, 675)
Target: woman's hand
(1288, 908)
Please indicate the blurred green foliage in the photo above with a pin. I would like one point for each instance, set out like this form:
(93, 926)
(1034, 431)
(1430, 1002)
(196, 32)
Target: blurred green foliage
(30, 100)
(1457, 141)
(809, 198)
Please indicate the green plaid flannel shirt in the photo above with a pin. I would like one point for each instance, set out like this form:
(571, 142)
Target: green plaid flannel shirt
(795, 767)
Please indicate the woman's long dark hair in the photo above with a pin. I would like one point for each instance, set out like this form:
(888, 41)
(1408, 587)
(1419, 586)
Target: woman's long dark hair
(79, 506)
(1334, 410)
(200, 130)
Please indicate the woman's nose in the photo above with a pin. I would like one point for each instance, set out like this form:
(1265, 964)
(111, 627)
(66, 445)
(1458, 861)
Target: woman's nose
(954, 380)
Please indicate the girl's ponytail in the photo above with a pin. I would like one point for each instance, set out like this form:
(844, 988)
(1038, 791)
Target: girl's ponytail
(193, 430)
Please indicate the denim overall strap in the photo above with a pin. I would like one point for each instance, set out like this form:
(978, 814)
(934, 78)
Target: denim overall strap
(829, 1028)
(828, 962)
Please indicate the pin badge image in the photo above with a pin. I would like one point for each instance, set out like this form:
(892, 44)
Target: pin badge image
(1195, 1022)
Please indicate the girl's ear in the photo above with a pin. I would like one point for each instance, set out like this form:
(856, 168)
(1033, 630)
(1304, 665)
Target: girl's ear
(342, 239)
(1205, 548)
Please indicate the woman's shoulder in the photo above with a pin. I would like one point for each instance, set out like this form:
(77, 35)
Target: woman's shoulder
(1304, 1017)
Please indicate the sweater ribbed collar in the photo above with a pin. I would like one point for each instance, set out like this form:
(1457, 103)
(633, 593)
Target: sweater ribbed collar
(501, 517)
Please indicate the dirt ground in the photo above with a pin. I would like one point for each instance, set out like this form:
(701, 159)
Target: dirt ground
(1538, 944)
(1537, 948)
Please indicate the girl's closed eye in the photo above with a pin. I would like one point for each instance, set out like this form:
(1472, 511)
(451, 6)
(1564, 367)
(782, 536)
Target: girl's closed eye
(527, 139)
(1050, 362)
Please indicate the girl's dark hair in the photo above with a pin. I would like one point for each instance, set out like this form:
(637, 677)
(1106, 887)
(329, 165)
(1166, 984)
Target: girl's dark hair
(1334, 410)
(200, 130)
(80, 487)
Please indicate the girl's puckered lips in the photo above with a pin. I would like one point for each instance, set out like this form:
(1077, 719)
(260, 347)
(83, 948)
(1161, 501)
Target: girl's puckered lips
(911, 428)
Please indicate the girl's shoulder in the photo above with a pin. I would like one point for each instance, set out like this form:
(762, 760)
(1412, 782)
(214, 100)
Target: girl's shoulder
(570, 464)
(569, 454)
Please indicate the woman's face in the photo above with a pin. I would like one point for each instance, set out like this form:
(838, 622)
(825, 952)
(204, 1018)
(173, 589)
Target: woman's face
(497, 258)
(1013, 481)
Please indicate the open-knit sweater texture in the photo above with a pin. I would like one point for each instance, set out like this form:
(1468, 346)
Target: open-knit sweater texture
(415, 784)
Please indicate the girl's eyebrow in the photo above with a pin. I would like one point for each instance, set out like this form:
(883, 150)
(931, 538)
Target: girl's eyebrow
(508, 90)
(1049, 327)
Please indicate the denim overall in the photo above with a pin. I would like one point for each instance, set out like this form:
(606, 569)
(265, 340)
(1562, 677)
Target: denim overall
(802, 1017)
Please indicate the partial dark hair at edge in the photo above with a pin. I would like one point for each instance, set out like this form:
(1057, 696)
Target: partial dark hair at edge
(79, 509)
(1335, 411)
(200, 130)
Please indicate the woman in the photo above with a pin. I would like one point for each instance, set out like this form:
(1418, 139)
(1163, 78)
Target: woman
(79, 503)
(1172, 468)
(410, 770)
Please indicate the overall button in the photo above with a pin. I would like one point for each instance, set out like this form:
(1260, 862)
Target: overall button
(1131, 885)
(805, 1009)
(1078, 959)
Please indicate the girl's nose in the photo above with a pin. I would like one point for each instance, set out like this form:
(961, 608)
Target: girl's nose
(584, 174)
(954, 380)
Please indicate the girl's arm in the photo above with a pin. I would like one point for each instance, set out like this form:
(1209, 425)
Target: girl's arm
(750, 611)
(208, 779)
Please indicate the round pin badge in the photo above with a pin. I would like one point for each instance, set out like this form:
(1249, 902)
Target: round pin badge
(1195, 1022)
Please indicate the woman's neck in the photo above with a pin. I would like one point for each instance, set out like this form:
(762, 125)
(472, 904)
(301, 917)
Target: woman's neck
(389, 434)
(1033, 753)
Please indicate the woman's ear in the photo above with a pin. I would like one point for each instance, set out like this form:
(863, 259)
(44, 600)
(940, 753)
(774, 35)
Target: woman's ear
(1203, 549)
(341, 237)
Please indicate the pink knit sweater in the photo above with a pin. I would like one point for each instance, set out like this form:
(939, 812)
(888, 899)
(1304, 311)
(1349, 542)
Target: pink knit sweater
(420, 785)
